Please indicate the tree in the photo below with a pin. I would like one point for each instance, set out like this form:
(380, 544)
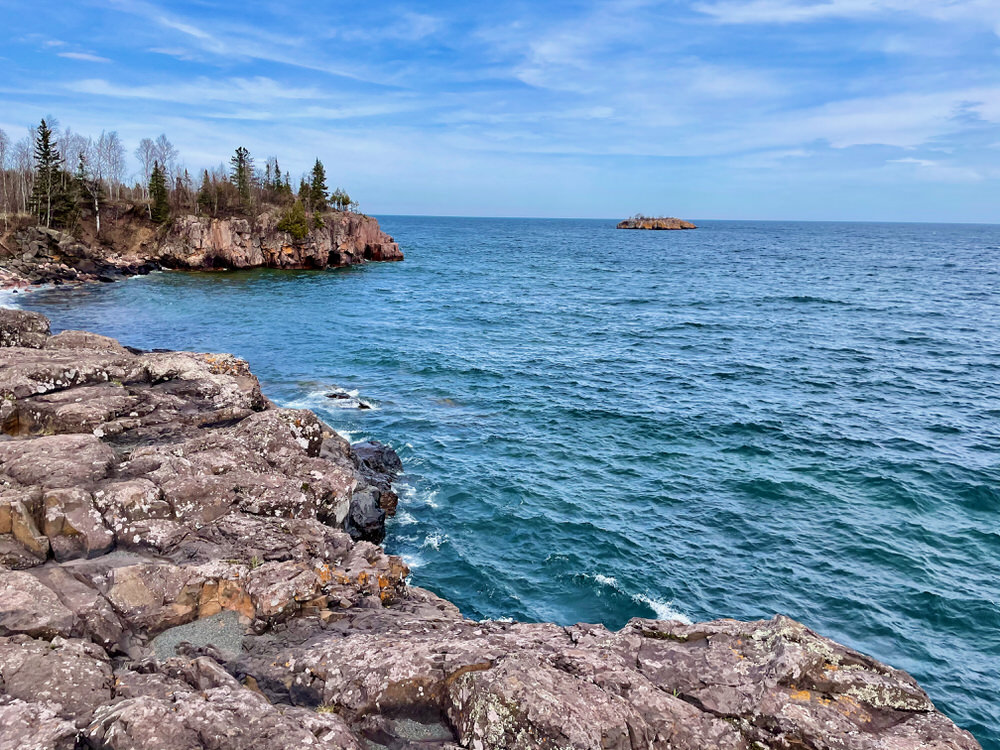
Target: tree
(165, 153)
(305, 193)
(88, 186)
(341, 199)
(145, 152)
(206, 197)
(48, 175)
(318, 188)
(294, 221)
(159, 199)
(4, 151)
(113, 155)
(241, 171)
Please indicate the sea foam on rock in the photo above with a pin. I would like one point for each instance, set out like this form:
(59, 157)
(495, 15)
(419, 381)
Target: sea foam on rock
(174, 574)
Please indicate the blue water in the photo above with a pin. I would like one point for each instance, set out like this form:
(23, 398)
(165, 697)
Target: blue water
(746, 419)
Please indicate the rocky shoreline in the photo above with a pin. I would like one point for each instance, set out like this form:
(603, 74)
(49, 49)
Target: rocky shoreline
(133, 246)
(184, 564)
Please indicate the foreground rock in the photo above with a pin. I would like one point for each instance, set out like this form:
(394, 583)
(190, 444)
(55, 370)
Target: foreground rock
(133, 246)
(646, 222)
(174, 574)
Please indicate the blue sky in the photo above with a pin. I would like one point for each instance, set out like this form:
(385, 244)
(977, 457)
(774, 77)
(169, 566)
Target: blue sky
(769, 109)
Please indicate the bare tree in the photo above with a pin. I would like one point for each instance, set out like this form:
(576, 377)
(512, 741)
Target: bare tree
(165, 153)
(4, 154)
(146, 154)
(24, 166)
(90, 186)
(114, 160)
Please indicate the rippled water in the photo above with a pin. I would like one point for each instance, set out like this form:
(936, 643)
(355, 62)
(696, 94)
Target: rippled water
(596, 424)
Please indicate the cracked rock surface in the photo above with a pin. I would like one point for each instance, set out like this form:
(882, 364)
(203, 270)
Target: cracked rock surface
(175, 573)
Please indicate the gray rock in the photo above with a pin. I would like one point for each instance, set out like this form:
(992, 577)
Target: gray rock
(23, 328)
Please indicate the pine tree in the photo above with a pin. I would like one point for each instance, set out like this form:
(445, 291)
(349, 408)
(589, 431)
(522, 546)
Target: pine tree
(242, 176)
(294, 221)
(317, 187)
(160, 200)
(305, 192)
(205, 197)
(48, 191)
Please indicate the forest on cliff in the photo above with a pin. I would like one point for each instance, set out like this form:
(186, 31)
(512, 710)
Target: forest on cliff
(57, 178)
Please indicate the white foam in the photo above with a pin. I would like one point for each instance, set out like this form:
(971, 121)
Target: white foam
(10, 298)
(404, 519)
(663, 610)
(435, 540)
(413, 560)
(319, 399)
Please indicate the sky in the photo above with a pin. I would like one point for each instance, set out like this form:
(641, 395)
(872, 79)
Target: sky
(881, 110)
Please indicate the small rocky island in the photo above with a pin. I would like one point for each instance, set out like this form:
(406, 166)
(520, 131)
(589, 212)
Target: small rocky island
(185, 565)
(647, 222)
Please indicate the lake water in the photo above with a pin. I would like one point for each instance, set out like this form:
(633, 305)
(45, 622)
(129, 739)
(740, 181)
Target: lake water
(741, 420)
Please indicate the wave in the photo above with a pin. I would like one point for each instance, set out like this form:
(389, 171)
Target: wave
(435, 540)
(320, 398)
(664, 609)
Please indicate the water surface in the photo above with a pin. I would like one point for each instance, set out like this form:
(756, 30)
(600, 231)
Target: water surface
(596, 424)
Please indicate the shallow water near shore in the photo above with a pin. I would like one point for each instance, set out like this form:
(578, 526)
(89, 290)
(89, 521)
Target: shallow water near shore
(597, 424)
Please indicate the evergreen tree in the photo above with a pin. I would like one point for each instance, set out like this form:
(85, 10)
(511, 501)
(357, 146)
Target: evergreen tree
(317, 187)
(294, 221)
(241, 170)
(305, 192)
(205, 194)
(159, 198)
(48, 192)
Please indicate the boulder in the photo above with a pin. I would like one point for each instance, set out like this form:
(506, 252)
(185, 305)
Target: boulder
(365, 519)
(23, 328)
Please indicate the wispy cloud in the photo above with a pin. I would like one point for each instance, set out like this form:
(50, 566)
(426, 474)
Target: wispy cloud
(806, 11)
(84, 57)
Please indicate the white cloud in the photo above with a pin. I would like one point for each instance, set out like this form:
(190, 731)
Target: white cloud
(236, 90)
(980, 12)
(84, 56)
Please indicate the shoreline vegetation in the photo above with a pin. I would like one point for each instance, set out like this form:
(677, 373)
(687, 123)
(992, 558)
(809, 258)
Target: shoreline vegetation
(86, 223)
(655, 222)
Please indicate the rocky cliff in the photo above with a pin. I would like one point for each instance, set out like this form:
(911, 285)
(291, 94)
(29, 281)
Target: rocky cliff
(132, 245)
(175, 574)
(645, 222)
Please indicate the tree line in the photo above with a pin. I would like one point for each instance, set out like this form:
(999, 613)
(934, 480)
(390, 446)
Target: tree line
(57, 177)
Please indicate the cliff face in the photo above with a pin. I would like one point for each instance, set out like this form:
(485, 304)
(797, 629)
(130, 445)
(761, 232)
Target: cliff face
(133, 246)
(641, 222)
(194, 242)
(175, 574)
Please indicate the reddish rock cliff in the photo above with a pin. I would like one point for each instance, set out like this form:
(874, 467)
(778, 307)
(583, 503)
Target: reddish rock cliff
(132, 245)
(646, 222)
(195, 242)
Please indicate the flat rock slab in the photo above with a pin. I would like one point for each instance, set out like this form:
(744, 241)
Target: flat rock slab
(222, 631)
